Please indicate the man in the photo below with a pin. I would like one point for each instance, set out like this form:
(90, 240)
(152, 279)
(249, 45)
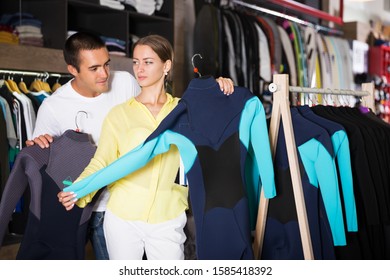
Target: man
(83, 103)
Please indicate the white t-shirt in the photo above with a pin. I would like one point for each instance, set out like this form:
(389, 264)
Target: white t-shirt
(66, 109)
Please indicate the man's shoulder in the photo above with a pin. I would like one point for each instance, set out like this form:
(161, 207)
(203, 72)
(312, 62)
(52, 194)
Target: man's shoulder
(61, 91)
(123, 84)
(60, 97)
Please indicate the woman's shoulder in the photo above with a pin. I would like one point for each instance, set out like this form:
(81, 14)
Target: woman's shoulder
(172, 99)
(123, 106)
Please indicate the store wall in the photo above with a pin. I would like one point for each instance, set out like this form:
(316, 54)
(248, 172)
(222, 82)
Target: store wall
(364, 11)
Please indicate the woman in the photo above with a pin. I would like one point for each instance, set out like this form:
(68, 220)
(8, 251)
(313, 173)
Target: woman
(146, 210)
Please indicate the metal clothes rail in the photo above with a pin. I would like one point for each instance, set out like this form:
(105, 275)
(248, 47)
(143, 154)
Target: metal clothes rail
(32, 73)
(288, 17)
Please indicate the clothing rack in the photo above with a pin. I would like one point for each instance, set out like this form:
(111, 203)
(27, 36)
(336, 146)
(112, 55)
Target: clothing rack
(290, 18)
(281, 110)
(32, 73)
(308, 10)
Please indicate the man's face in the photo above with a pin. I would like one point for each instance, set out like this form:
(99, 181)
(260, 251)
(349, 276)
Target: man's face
(92, 78)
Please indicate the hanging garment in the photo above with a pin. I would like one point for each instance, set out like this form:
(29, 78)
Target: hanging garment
(229, 54)
(252, 53)
(293, 31)
(277, 44)
(4, 164)
(342, 154)
(369, 235)
(289, 55)
(51, 231)
(18, 114)
(236, 31)
(207, 40)
(321, 193)
(270, 37)
(18, 117)
(311, 54)
(218, 137)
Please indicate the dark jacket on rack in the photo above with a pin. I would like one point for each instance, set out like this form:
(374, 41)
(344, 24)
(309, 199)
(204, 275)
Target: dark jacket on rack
(342, 156)
(321, 195)
(51, 231)
(368, 158)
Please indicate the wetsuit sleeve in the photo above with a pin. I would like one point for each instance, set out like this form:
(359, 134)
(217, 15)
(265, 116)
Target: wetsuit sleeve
(133, 160)
(343, 158)
(254, 136)
(321, 169)
(14, 188)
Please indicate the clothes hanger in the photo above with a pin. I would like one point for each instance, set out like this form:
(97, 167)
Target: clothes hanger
(8, 85)
(23, 86)
(312, 99)
(12, 84)
(76, 119)
(56, 85)
(45, 84)
(36, 85)
(196, 70)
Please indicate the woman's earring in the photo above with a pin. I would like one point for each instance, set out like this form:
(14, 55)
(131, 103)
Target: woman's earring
(166, 73)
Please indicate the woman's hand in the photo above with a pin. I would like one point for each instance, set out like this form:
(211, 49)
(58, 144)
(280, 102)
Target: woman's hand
(226, 85)
(68, 199)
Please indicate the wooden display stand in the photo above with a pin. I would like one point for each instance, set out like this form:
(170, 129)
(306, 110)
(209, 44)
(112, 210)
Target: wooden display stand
(281, 111)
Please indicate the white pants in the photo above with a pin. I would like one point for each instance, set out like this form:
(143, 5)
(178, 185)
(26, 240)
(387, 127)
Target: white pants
(127, 240)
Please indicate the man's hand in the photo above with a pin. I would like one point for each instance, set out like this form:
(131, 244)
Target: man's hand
(43, 141)
(226, 85)
(68, 199)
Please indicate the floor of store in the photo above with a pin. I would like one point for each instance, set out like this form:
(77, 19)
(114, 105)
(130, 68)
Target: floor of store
(8, 252)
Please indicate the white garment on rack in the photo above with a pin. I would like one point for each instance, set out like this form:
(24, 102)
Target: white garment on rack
(265, 57)
(114, 4)
(159, 4)
(28, 113)
(289, 53)
(147, 7)
(11, 131)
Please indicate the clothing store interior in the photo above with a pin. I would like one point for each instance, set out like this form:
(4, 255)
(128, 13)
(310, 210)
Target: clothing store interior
(293, 165)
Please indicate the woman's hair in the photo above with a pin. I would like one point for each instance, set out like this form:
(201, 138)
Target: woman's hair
(162, 47)
(78, 42)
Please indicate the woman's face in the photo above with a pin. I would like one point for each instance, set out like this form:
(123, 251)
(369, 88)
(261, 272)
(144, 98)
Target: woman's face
(148, 68)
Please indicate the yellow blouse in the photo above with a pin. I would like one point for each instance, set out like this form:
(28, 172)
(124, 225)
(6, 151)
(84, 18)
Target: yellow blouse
(148, 194)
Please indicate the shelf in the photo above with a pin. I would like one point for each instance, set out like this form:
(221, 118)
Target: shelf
(29, 58)
(92, 6)
(59, 16)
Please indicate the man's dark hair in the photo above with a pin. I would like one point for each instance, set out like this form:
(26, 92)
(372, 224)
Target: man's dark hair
(80, 41)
